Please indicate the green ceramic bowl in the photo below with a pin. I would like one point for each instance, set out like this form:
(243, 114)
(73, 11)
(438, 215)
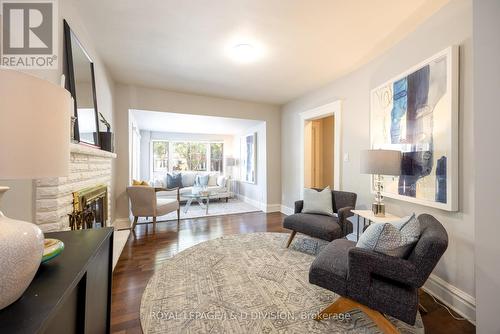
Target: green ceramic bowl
(52, 248)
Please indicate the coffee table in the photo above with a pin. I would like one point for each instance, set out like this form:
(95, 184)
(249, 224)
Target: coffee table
(199, 197)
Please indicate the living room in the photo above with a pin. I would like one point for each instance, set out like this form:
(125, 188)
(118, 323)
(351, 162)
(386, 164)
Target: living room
(157, 173)
(224, 156)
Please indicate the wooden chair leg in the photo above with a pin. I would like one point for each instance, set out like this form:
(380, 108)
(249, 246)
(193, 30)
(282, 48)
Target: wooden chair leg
(343, 305)
(292, 235)
(154, 223)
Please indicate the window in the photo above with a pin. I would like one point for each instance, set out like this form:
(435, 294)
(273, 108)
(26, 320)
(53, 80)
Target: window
(160, 156)
(189, 156)
(176, 156)
(216, 156)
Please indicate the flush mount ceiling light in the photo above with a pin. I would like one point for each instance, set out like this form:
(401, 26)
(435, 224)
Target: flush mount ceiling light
(244, 53)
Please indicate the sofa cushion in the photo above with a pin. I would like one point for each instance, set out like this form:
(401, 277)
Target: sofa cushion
(318, 202)
(188, 179)
(221, 181)
(201, 180)
(174, 180)
(212, 180)
(329, 269)
(317, 226)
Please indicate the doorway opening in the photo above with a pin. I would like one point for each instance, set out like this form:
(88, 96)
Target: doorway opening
(320, 147)
(319, 152)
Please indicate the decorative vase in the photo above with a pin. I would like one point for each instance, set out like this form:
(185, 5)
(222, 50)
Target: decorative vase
(21, 250)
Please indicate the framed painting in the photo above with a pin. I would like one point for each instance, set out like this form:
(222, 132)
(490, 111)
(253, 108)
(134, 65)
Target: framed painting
(417, 113)
(249, 158)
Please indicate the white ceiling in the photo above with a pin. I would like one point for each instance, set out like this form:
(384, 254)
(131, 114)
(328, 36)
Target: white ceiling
(182, 44)
(186, 123)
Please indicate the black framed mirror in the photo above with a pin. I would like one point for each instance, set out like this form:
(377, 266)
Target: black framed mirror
(80, 82)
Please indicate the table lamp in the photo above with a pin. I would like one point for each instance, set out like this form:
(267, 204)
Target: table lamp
(34, 143)
(380, 162)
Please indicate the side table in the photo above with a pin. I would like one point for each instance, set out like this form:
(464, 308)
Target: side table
(369, 216)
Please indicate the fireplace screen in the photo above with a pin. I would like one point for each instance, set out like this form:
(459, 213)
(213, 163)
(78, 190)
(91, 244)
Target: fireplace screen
(90, 208)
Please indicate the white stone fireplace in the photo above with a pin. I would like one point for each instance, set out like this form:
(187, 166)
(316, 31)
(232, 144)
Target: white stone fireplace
(54, 196)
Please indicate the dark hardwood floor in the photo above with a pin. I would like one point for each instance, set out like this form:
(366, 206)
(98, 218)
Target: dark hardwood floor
(148, 249)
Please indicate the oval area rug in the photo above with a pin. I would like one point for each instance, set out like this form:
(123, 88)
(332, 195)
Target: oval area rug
(246, 283)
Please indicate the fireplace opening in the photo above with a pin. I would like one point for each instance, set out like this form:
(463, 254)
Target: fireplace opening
(90, 208)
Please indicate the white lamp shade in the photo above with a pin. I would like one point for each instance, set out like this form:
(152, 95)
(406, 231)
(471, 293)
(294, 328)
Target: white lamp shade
(383, 162)
(34, 127)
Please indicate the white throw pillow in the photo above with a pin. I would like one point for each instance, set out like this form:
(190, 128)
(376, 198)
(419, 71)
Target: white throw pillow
(394, 239)
(221, 181)
(212, 180)
(318, 202)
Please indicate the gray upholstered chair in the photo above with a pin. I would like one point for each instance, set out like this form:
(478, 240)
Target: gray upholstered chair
(321, 226)
(378, 283)
(145, 203)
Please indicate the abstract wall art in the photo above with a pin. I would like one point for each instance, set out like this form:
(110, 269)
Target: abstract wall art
(417, 113)
(249, 158)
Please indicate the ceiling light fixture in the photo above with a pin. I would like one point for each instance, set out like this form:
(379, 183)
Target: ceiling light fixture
(244, 53)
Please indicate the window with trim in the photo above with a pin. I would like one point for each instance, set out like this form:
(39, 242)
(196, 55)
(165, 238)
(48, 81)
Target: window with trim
(216, 157)
(160, 156)
(176, 156)
(189, 156)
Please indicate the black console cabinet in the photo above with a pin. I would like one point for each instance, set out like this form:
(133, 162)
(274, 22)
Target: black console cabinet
(71, 293)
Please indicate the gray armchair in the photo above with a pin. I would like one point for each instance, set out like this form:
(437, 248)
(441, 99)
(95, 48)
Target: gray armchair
(321, 226)
(377, 283)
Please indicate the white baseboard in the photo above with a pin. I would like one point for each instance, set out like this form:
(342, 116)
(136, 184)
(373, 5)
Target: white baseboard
(456, 299)
(273, 208)
(286, 210)
(267, 208)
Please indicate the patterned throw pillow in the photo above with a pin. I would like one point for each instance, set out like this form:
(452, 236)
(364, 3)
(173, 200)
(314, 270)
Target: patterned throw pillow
(394, 239)
(174, 180)
(318, 202)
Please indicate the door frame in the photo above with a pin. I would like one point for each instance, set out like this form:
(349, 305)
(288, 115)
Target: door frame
(331, 109)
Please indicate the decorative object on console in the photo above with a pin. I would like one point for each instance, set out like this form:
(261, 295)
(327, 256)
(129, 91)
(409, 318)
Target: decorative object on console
(106, 138)
(380, 162)
(41, 149)
(417, 113)
(51, 249)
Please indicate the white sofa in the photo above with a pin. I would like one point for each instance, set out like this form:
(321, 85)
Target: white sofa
(218, 184)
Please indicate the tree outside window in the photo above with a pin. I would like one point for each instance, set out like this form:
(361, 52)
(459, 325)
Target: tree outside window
(189, 156)
(216, 157)
(160, 156)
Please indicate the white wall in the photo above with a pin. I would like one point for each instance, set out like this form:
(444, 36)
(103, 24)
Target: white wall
(141, 98)
(487, 162)
(451, 25)
(19, 201)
